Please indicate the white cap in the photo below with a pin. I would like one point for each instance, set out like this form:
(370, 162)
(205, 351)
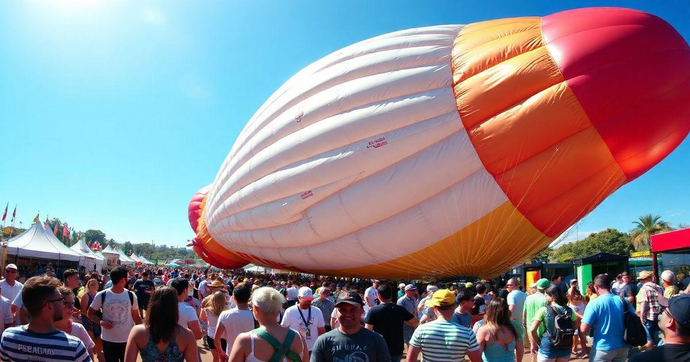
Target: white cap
(431, 288)
(305, 293)
(401, 285)
(11, 266)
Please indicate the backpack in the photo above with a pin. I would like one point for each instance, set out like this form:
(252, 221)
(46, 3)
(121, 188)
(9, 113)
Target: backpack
(635, 333)
(563, 330)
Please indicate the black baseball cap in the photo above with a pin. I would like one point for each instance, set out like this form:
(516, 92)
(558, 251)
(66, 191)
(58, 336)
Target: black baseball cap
(349, 298)
(679, 306)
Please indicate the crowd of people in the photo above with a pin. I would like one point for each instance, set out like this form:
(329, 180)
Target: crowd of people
(159, 314)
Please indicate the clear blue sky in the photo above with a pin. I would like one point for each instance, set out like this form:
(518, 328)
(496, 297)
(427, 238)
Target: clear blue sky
(112, 114)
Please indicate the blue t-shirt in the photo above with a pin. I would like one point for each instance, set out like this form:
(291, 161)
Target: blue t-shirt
(605, 315)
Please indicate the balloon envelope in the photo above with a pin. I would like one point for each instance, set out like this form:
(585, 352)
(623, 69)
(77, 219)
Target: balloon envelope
(450, 150)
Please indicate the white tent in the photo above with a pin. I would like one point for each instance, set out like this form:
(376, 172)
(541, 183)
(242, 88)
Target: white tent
(111, 257)
(39, 243)
(92, 261)
(145, 261)
(124, 259)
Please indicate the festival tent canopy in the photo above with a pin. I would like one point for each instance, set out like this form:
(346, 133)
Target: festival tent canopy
(81, 248)
(677, 241)
(37, 242)
(124, 259)
(110, 250)
(135, 258)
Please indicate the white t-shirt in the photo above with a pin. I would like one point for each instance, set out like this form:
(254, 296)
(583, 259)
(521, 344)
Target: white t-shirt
(235, 321)
(79, 332)
(5, 313)
(187, 314)
(293, 320)
(371, 295)
(118, 311)
(203, 290)
(212, 323)
(292, 293)
(11, 292)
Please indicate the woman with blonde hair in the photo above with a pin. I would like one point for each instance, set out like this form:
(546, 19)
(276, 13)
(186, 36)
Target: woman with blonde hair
(266, 342)
(93, 329)
(212, 306)
(498, 338)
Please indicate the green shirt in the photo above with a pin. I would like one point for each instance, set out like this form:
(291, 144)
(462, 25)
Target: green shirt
(670, 291)
(532, 305)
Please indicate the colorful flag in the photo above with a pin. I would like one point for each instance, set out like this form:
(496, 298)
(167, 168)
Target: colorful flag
(36, 218)
(55, 230)
(4, 216)
(64, 230)
(14, 214)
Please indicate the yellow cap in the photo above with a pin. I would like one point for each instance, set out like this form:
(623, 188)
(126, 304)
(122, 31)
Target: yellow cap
(441, 297)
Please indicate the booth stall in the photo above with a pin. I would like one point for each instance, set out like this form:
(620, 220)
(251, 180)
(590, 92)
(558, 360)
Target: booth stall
(593, 265)
(112, 258)
(672, 242)
(91, 261)
(35, 249)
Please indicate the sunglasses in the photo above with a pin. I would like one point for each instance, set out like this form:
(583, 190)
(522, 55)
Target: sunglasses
(54, 300)
(10, 271)
(665, 310)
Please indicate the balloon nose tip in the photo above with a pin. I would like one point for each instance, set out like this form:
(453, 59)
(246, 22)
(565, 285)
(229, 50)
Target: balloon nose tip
(630, 71)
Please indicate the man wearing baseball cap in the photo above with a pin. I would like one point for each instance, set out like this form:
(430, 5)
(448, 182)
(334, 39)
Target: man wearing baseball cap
(305, 318)
(674, 322)
(443, 340)
(11, 288)
(650, 309)
(350, 342)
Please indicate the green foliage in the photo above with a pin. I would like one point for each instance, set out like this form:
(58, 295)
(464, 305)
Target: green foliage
(607, 241)
(94, 235)
(544, 255)
(645, 227)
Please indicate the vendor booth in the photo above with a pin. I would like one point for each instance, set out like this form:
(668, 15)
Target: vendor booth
(37, 249)
(91, 261)
(124, 259)
(593, 265)
(112, 258)
(672, 242)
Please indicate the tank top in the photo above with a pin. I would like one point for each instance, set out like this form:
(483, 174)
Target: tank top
(252, 358)
(212, 323)
(497, 353)
(172, 353)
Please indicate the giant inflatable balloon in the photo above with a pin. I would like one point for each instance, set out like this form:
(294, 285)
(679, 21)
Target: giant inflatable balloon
(449, 150)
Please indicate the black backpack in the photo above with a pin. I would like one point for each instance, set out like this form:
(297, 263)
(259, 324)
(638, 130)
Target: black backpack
(563, 330)
(130, 294)
(635, 333)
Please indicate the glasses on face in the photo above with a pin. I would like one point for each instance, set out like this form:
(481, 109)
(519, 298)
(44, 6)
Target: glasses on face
(665, 310)
(10, 271)
(54, 300)
(68, 304)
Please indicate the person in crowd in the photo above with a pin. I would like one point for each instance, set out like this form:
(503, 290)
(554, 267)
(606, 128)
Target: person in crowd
(591, 292)
(615, 288)
(72, 281)
(231, 323)
(162, 338)
(577, 303)
(40, 340)
(668, 281)
(304, 318)
(292, 293)
(481, 300)
(443, 339)
(498, 338)
(605, 316)
(650, 309)
(388, 319)
(187, 316)
(629, 289)
(558, 281)
(350, 342)
(73, 328)
(463, 313)
(120, 313)
(533, 303)
(263, 343)
(674, 322)
(516, 300)
(93, 329)
(143, 288)
(370, 297)
(427, 314)
(213, 306)
(11, 289)
(325, 305)
(5, 314)
(557, 302)
(401, 290)
(409, 302)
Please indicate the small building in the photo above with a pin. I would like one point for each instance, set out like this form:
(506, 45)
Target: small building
(593, 265)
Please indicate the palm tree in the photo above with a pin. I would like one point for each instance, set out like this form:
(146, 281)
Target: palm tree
(645, 227)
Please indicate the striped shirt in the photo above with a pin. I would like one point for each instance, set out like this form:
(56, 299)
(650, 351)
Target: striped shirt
(443, 341)
(21, 344)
